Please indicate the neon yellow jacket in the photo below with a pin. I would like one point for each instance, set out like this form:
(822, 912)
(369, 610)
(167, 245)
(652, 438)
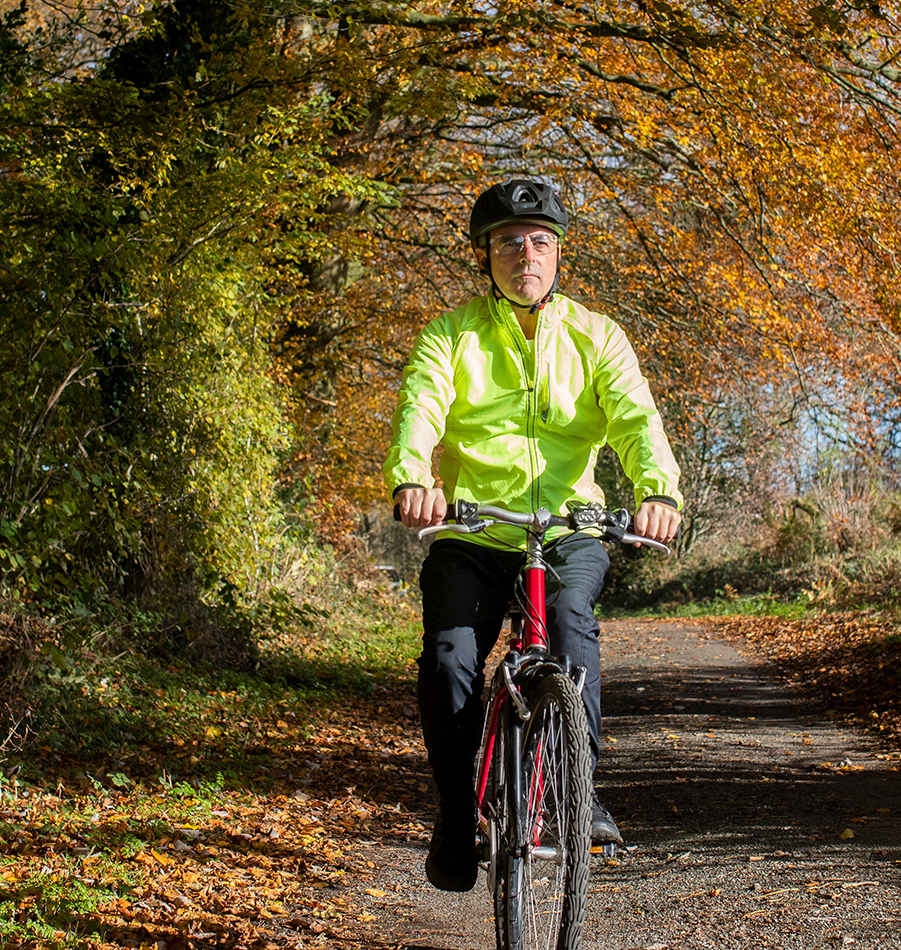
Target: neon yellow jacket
(521, 424)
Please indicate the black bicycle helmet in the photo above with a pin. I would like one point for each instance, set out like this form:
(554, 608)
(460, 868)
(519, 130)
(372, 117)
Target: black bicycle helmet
(520, 201)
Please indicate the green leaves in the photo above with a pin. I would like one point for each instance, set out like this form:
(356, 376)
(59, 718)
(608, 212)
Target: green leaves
(146, 202)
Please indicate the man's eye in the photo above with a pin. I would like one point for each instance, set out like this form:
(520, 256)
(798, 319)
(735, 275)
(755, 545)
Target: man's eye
(541, 243)
(512, 244)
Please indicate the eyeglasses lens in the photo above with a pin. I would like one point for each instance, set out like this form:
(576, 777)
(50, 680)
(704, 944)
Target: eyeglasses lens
(507, 245)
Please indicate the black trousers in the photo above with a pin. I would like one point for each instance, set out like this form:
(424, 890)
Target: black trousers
(466, 588)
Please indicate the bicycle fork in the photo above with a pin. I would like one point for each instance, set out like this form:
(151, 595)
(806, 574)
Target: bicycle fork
(508, 782)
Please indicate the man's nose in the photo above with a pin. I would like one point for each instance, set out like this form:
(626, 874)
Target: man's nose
(528, 252)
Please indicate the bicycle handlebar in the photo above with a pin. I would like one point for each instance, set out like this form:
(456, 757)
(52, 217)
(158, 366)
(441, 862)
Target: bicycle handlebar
(472, 518)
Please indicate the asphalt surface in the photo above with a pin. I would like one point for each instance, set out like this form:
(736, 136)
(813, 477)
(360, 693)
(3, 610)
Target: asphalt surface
(751, 819)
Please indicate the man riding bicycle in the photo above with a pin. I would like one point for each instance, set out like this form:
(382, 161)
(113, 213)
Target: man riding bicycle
(522, 387)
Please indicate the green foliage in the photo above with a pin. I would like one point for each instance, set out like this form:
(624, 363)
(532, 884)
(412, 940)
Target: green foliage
(203, 791)
(53, 901)
(115, 700)
(143, 205)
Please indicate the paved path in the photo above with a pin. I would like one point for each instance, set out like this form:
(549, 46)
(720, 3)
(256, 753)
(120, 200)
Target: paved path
(750, 819)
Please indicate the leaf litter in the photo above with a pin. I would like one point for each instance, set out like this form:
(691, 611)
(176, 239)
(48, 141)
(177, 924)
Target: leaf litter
(851, 661)
(146, 860)
(168, 865)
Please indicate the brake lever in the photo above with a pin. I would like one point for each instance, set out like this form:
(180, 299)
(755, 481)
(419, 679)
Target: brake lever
(628, 538)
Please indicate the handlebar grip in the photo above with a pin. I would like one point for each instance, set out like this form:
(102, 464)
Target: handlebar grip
(397, 512)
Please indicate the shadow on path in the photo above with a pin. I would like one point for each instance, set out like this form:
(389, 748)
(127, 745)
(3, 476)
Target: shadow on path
(750, 818)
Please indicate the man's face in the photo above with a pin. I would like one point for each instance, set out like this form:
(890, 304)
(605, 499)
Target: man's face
(526, 276)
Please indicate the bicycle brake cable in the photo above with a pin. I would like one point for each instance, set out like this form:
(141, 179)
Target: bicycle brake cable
(528, 608)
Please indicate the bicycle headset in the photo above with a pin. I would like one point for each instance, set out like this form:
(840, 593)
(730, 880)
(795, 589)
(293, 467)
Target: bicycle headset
(520, 201)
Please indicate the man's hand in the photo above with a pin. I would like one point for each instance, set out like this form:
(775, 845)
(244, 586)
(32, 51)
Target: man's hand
(657, 520)
(421, 507)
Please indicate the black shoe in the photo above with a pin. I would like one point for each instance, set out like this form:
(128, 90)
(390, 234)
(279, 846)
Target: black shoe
(603, 827)
(453, 864)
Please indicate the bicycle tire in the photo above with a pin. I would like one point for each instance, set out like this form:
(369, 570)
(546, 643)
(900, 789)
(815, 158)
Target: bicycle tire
(544, 882)
(500, 822)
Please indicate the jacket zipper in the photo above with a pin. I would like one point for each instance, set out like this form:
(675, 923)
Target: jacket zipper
(532, 411)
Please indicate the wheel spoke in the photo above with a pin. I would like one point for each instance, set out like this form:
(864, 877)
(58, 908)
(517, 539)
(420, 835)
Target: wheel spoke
(546, 820)
(543, 880)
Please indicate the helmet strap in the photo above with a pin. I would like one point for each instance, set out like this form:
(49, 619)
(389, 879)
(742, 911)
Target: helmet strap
(539, 305)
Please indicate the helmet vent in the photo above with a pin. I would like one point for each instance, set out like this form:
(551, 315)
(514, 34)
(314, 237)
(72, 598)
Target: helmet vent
(522, 199)
(523, 196)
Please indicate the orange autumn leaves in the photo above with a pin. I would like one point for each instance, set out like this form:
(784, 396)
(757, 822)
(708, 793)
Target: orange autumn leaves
(731, 180)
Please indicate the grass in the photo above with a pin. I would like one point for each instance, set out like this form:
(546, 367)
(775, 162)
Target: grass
(744, 579)
(178, 707)
(724, 604)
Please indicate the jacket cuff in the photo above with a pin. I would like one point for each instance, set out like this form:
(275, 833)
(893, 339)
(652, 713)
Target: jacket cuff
(404, 487)
(663, 499)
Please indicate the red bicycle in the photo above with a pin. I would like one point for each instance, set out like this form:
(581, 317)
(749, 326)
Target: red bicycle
(533, 780)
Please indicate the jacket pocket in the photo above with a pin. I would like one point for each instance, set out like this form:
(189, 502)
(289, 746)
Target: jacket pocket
(544, 391)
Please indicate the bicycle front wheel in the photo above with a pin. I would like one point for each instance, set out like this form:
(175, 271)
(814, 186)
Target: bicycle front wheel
(546, 881)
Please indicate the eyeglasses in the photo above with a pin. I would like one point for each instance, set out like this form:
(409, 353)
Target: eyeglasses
(508, 245)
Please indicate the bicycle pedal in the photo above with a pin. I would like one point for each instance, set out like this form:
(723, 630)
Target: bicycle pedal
(606, 851)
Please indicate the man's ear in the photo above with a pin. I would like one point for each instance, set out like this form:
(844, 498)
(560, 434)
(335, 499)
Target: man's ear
(481, 259)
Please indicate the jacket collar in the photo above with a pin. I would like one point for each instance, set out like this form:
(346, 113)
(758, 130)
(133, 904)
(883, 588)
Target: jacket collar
(501, 310)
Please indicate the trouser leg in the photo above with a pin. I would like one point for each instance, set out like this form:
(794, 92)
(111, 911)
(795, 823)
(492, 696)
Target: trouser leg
(581, 562)
(466, 589)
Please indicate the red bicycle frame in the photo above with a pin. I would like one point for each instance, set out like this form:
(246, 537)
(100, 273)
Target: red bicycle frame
(527, 661)
(528, 632)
